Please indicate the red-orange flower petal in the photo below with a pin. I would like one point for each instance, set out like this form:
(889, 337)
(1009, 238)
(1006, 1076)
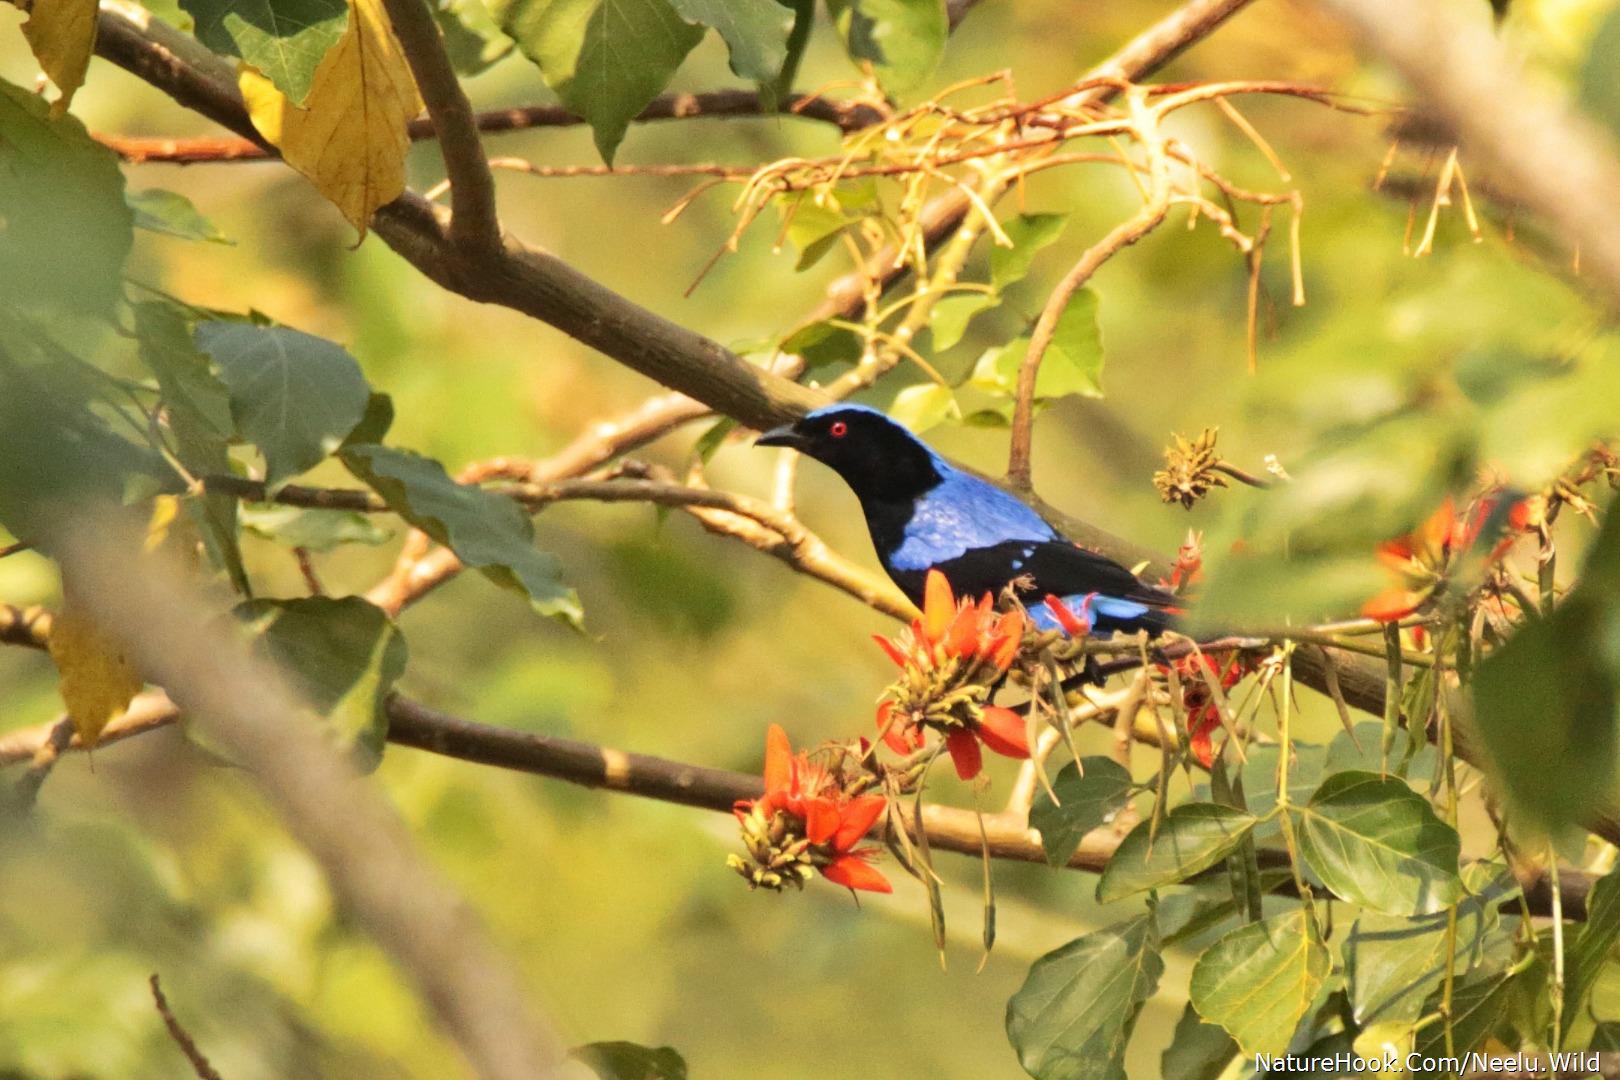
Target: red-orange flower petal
(1072, 624)
(853, 872)
(964, 751)
(891, 650)
(1392, 604)
(820, 820)
(778, 759)
(858, 818)
(939, 607)
(1004, 732)
(962, 639)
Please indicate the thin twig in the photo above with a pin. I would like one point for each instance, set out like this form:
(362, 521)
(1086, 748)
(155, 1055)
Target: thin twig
(182, 1038)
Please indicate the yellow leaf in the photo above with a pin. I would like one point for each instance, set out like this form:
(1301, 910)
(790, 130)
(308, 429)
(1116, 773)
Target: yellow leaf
(95, 680)
(62, 34)
(349, 136)
(165, 508)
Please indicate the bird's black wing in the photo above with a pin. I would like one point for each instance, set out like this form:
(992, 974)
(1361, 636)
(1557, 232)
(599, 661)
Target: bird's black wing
(1057, 567)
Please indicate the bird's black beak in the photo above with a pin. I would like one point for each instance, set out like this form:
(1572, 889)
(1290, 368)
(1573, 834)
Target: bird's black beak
(786, 435)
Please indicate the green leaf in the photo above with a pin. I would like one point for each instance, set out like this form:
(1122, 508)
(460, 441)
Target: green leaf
(1600, 76)
(1197, 1051)
(197, 408)
(821, 344)
(284, 39)
(1191, 838)
(1376, 842)
(606, 59)
(294, 395)
(1365, 753)
(924, 405)
(486, 530)
(1476, 1004)
(1395, 963)
(1592, 945)
(902, 40)
(755, 31)
(1088, 802)
(343, 655)
(65, 229)
(313, 530)
(1546, 703)
(374, 425)
(1259, 981)
(628, 1061)
(170, 213)
(1072, 364)
(471, 37)
(951, 315)
(1029, 233)
(1073, 1017)
(1260, 775)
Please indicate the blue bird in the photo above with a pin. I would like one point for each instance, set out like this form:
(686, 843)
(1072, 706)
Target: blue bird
(924, 514)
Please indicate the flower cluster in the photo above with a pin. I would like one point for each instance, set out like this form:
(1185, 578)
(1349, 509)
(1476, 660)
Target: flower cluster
(950, 662)
(1190, 469)
(807, 822)
(1198, 700)
(1421, 560)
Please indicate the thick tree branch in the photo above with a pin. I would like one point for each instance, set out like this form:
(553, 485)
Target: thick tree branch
(1529, 143)
(364, 849)
(416, 725)
(474, 225)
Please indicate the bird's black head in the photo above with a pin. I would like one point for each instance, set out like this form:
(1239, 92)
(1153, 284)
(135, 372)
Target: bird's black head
(877, 457)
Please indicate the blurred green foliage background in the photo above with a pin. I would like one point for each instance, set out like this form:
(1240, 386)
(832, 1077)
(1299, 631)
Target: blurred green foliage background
(144, 858)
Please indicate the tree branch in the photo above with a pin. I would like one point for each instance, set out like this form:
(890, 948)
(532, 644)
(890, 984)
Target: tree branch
(474, 225)
(415, 725)
(366, 852)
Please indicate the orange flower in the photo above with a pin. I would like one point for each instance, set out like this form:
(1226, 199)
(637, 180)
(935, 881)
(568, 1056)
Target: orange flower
(1203, 715)
(951, 660)
(806, 822)
(1421, 559)
(1189, 564)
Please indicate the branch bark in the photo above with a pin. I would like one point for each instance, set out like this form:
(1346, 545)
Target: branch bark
(364, 849)
(474, 225)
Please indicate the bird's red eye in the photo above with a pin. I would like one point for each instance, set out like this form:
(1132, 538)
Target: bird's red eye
(839, 429)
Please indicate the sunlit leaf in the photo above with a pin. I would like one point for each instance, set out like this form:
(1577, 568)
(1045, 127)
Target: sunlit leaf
(1259, 981)
(62, 34)
(924, 405)
(286, 40)
(172, 214)
(1072, 364)
(606, 59)
(1376, 842)
(1592, 945)
(349, 135)
(1395, 963)
(1191, 838)
(486, 530)
(294, 395)
(1088, 802)
(54, 173)
(902, 40)
(951, 315)
(755, 32)
(472, 38)
(95, 679)
(1074, 1014)
(1029, 233)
